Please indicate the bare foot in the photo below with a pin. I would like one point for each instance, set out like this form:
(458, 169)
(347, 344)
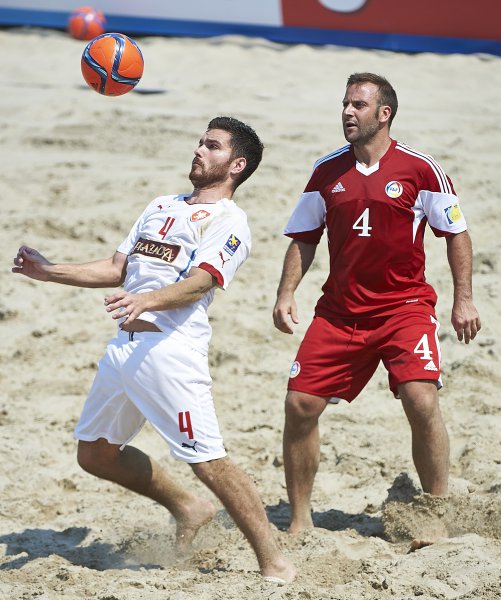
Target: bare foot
(294, 529)
(196, 515)
(280, 573)
(418, 544)
(299, 525)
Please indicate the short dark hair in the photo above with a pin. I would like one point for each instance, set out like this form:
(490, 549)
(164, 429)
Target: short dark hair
(387, 95)
(244, 142)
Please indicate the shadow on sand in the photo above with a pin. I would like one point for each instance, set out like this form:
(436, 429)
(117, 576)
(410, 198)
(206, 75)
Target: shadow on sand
(31, 544)
(333, 520)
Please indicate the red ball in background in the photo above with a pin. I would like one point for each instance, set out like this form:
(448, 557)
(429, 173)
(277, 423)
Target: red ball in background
(112, 64)
(85, 23)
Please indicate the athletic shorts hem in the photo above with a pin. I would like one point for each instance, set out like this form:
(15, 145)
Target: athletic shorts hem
(437, 380)
(327, 396)
(200, 459)
(99, 436)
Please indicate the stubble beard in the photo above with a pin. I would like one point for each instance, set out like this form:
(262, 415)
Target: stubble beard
(365, 133)
(201, 178)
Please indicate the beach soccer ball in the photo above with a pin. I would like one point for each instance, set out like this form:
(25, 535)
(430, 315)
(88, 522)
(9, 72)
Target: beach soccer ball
(112, 64)
(85, 23)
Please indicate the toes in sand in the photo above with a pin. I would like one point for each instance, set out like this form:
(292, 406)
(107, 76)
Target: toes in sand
(418, 544)
(197, 515)
(280, 574)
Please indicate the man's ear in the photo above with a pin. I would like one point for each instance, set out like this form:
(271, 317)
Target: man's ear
(239, 165)
(384, 113)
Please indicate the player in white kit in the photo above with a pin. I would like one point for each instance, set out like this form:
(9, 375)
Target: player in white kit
(177, 253)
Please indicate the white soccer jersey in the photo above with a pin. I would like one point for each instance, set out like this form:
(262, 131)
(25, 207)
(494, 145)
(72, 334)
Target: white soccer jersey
(169, 238)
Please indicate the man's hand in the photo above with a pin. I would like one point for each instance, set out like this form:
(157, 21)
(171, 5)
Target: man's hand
(285, 312)
(31, 263)
(297, 261)
(126, 305)
(105, 272)
(465, 320)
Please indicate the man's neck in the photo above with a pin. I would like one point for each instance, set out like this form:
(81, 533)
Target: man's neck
(209, 195)
(371, 153)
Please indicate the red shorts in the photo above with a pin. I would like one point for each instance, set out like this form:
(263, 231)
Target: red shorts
(337, 357)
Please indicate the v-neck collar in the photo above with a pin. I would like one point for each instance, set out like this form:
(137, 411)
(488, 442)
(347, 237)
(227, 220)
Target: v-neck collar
(375, 167)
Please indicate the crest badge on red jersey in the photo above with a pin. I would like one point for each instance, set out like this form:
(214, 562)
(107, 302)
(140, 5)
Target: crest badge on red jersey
(295, 370)
(394, 189)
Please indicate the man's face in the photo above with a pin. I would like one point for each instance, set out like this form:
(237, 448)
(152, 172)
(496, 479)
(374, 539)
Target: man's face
(213, 162)
(360, 114)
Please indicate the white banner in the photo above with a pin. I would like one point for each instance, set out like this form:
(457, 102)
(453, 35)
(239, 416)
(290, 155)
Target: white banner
(251, 12)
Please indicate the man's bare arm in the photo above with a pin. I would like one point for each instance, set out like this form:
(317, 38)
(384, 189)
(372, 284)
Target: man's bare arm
(100, 273)
(297, 261)
(182, 293)
(464, 318)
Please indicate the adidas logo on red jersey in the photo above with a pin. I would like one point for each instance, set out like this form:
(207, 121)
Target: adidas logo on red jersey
(338, 188)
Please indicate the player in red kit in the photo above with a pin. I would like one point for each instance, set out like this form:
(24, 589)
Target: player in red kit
(373, 197)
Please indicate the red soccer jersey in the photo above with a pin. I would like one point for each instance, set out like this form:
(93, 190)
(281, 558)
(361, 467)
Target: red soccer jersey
(375, 219)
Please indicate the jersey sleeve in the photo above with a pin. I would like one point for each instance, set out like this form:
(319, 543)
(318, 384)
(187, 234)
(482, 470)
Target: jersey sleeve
(440, 203)
(307, 221)
(224, 247)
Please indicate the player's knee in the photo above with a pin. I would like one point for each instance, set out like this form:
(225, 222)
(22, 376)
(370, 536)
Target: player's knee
(300, 407)
(211, 470)
(422, 408)
(91, 457)
(203, 471)
(86, 457)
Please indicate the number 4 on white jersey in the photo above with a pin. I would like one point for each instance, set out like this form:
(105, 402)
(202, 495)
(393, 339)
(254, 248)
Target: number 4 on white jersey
(362, 223)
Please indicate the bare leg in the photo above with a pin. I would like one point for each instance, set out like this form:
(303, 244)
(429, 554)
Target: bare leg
(430, 442)
(241, 499)
(301, 447)
(136, 471)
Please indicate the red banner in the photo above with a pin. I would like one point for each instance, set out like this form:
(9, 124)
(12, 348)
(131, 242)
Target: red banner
(460, 18)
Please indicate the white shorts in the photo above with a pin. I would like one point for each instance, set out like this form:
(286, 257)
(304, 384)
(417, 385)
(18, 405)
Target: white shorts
(156, 377)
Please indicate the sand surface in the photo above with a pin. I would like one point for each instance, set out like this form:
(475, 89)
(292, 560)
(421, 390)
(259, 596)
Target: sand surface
(77, 169)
